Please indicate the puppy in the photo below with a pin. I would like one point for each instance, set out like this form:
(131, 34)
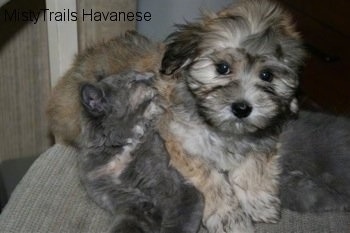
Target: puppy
(124, 164)
(230, 82)
(315, 155)
(127, 52)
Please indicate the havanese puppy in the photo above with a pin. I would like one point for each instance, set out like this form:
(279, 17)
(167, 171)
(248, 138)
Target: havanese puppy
(230, 82)
(124, 164)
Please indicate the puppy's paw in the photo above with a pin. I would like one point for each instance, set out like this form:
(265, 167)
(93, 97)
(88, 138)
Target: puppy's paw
(268, 212)
(234, 221)
(265, 209)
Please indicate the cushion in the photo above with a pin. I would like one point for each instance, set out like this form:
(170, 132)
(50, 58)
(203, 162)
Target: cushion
(50, 198)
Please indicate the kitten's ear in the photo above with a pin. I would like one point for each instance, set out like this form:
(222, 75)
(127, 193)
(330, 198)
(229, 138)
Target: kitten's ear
(93, 100)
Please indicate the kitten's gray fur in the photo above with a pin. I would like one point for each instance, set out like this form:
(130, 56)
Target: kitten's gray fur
(316, 163)
(124, 164)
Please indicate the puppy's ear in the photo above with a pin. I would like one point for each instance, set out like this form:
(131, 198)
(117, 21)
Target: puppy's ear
(182, 47)
(93, 100)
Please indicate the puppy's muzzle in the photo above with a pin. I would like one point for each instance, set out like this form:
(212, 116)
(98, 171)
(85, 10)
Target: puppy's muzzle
(241, 109)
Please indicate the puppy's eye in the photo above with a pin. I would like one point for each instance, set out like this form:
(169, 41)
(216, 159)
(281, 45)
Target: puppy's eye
(266, 75)
(223, 68)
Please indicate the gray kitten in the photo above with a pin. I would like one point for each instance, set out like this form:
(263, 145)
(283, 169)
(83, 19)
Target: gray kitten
(316, 163)
(123, 161)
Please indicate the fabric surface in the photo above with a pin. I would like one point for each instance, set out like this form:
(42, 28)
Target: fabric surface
(50, 198)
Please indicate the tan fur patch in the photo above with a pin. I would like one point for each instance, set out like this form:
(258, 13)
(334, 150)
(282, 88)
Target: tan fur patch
(129, 52)
(113, 168)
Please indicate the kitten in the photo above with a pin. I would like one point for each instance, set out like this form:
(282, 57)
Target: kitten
(124, 164)
(316, 163)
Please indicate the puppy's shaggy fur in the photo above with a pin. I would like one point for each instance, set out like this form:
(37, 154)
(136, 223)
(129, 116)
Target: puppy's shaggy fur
(231, 86)
(315, 156)
(124, 164)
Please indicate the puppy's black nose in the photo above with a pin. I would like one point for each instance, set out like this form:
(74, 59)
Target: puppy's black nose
(241, 109)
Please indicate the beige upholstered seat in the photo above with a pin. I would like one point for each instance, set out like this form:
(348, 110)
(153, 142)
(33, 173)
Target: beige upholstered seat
(50, 198)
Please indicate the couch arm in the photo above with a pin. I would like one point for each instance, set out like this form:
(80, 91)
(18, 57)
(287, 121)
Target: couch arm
(50, 198)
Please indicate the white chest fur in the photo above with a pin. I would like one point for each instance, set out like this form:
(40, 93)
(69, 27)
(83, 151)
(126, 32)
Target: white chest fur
(197, 140)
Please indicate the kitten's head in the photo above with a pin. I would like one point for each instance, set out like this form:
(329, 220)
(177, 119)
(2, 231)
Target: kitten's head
(117, 108)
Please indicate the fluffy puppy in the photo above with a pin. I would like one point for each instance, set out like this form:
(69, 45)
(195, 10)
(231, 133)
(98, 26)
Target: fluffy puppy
(127, 52)
(230, 82)
(124, 164)
(315, 155)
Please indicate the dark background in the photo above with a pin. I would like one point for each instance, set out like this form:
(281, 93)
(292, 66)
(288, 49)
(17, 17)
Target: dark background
(325, 27)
